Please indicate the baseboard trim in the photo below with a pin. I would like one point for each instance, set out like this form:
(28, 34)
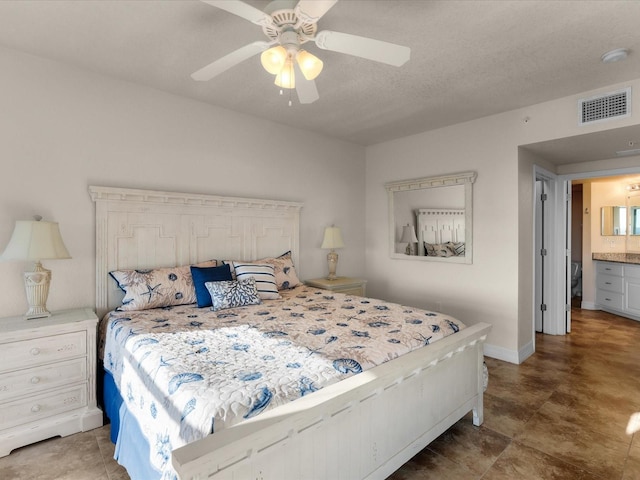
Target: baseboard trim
(501, 353)
(589, 306)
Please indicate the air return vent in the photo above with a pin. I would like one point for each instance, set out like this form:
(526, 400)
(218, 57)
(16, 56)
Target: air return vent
(610, 106)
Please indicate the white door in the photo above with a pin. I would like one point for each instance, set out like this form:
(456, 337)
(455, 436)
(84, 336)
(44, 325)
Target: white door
(539, 305)
(567, 256)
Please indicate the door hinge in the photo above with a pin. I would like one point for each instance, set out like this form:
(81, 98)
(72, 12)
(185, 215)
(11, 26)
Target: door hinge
(567, 308)
(543, 252)
(543, 307)
(543, 197)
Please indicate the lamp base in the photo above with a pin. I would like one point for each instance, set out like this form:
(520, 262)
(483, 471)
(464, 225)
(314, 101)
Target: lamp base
(332, 260)
(36, 285)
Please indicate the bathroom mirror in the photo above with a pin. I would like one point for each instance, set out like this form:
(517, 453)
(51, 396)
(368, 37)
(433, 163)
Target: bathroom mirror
(634, 220)
(430, 218)
(613, 221)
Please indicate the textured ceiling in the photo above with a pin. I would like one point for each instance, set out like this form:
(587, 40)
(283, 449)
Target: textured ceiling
(469, 58)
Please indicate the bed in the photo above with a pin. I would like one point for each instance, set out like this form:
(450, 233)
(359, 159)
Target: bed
(363, 423)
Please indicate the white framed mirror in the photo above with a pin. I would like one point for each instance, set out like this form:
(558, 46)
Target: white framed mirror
(431, 218)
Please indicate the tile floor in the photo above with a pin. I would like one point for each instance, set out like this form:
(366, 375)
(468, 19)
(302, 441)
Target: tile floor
(562, 414)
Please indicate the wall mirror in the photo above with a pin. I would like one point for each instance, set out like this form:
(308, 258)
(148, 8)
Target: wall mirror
(634, 214)
(431, 218)
(613, 221)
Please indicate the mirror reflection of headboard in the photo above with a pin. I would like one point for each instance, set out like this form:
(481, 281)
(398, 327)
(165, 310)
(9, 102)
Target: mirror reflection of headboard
(439, 226)
(444, 193)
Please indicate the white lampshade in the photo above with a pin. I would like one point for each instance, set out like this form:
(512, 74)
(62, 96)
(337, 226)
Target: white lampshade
(309, 64)
(408, 235)
(35, 240)
(332, 238)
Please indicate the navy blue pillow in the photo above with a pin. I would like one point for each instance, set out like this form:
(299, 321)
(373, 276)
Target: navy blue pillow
(201, 275)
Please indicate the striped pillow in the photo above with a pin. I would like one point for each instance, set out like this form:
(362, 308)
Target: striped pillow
(264, 276)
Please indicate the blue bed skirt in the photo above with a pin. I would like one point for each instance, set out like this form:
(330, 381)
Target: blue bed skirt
(132, 448)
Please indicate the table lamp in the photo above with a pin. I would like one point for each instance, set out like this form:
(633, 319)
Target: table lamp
(408, 237)
(35, 240)
(332, 240)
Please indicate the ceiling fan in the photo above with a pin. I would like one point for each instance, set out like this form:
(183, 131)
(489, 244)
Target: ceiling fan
(288, 25)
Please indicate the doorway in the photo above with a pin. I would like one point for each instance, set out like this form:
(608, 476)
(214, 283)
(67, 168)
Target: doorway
(552, 314)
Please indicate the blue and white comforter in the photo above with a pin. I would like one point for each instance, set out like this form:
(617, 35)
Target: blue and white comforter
(185, 372)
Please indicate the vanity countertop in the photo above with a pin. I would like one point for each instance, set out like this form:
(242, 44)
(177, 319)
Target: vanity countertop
(617, 257)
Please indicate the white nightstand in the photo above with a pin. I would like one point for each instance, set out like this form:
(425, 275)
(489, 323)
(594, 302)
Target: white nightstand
(348, 285)
(47, 377)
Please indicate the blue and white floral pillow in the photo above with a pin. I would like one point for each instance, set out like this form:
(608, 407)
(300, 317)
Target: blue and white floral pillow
(231, 294)
(158, 287)
(285, 271)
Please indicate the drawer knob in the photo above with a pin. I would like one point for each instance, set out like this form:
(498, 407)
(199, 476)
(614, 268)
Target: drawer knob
(35, 408)
(35, 380)
(35, 351)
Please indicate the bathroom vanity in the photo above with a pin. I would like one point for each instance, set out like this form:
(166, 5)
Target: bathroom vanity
(618, 283)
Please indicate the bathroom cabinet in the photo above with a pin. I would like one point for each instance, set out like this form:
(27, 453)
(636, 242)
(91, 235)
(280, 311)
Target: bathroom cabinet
(618, 288)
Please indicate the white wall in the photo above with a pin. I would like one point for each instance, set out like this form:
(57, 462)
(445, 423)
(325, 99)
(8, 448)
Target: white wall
(498, 287)
(63, 129)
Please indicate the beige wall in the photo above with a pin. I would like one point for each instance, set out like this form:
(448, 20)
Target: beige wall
(63, 129)
(498, 287)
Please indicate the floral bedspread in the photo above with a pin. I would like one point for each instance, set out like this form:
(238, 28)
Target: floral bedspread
(185, 372)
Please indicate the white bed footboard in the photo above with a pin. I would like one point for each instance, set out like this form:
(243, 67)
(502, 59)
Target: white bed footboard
(364, 427)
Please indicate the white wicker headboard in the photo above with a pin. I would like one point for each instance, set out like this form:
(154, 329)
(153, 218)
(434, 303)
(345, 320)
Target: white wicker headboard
(145, 229)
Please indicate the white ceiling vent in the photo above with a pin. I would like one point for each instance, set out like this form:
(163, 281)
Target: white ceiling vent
(608, 106)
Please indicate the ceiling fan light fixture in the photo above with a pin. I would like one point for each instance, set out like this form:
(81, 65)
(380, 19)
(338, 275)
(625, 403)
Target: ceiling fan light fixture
(274, 59)
(285, 77)
(309, 64)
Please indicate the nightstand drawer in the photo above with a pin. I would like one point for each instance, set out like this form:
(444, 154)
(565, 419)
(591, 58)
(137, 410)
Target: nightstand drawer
(359, 291)
(37, 379)
(42, 350)
(42, 406)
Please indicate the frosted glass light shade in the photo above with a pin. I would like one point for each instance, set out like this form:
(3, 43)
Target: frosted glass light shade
(286, 78)
(332, 238)
(35, 241)
(309, 64)
(273, 59)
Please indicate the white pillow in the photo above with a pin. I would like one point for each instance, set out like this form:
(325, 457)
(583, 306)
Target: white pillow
(264, 275)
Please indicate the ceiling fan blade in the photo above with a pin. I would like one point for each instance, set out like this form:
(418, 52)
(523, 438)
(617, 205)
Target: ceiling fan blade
(364, 47)
(241, 9)
(306, 89)
(230, 60)
(310, 11)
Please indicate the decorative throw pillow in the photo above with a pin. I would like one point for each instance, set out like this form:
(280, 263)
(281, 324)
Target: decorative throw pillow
(264, 276)
(457, 248)
(286, 276)
(159, 287)
(201, 275)
(154, 288)
(438, 250)
(231, 294)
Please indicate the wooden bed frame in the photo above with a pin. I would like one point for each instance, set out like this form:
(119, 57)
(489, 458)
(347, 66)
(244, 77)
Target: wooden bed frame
(364, 427)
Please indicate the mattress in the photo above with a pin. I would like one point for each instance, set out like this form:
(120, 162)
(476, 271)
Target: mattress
(183, 373)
